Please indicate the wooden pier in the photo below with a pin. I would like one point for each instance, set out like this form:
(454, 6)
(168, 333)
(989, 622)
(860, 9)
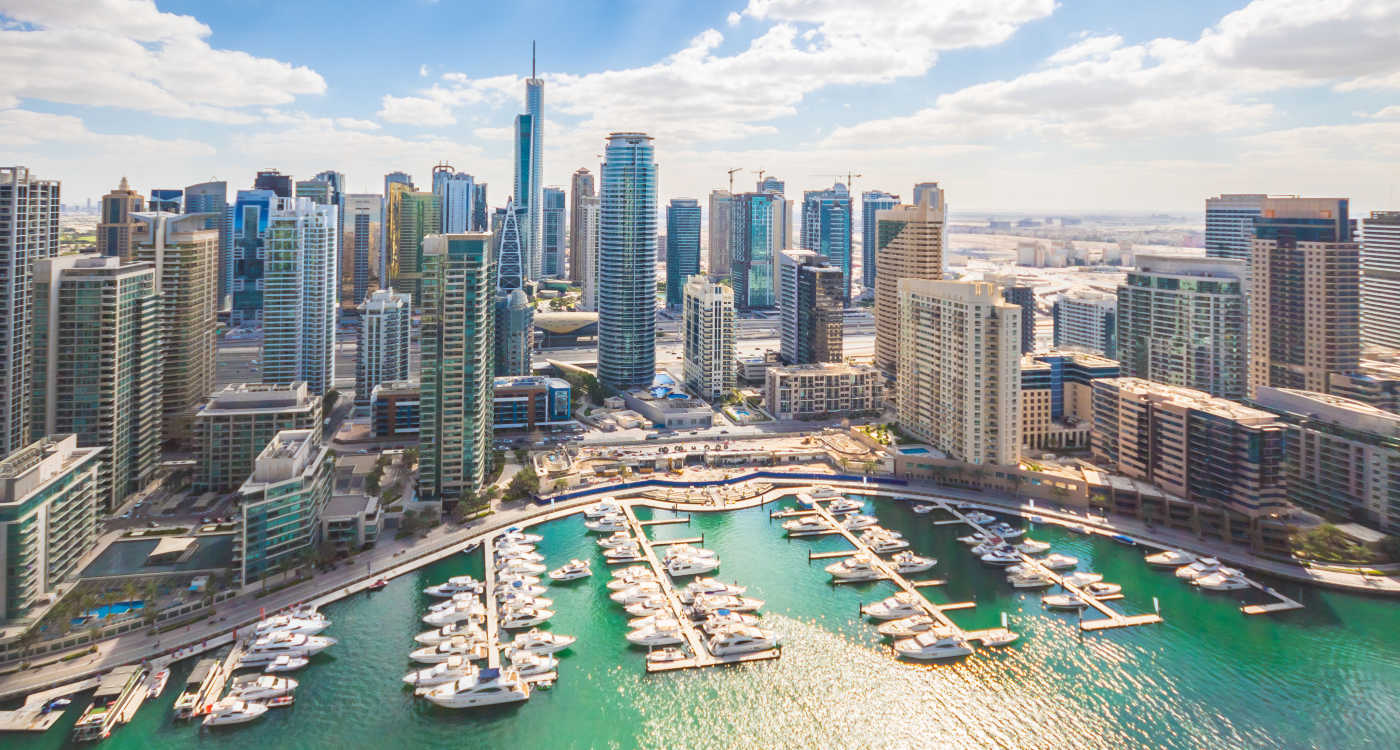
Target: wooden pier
(1284, 604)
(30, 717)
(832, 555)
(664, 521)
(493, 632)
(687, 540)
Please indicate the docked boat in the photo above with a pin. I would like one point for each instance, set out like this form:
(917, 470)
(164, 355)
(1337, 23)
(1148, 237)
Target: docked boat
(713, 604)
(1030, 579)
(286, 663)
(520, 554)
(484, 687)
(616, 539)
(825, 490)
(923, 510)
(514, 535)
(636, 593)
(931, 646)
(525, 617)
(980, 518)
(1081, 578)
(1169, 558)
(510, 579)
(571, 571)
(281, 701)
(458, 612)
(615, 522)
(632, 570)
(857, 567)
(229, 712)
(1062, 601)
(627, 582)
(666, 655)
(624, 554)
(519, 567)
(155, 684)
(806, 525)
(265, 650)
(741, 639)
(1005, 530)
(458, 646)
(845, 505)
(516, 601)
(542, 641)
(660, 633)
(467, 629)
(379, 585)
(649, 606)
(1002, 557)
(1201, 567)
(677, 551)
(883, 541)
(1058, 561)
(291, 624)
(902, 604)
(725, 619)
(518, 589)
(605, 507)
(262, 688)
(997, 637)
(1099, 588)
(858, 521)
(456, 666)
(707, 587)
(691, 566)
(805, 501)
(529, 663)
(908, 562)
(907, 627)
(1224, 579)
(1032, 547)
(975, 538)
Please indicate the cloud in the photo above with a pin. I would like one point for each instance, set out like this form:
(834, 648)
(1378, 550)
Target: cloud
(423, 71)
(23, 128)
(1094, 47)
(415, 110)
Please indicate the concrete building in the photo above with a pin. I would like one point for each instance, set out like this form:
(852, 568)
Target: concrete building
(754, 368)
(49, 497)
(115, 226)
(1181, 321)
(274, 181)
(581, 186)
(1023, 297)
(1230, 224)
(280, 504)
(362, 219)
(301, 295)
(395, 410)
(627, 262)
(1057, 398)
(1380, 279)
(458, 365)
(28, 232)
(351, 522)
(587, 211)
(821, 390)
(319, 192)
(531, 402)
(707, 328)
(237, 423)
(871, 203)
(827, 227)
(755, 244)
(98, 364)
(720, 225)
(515, 333)
(383, 344)
(456, 192)
(959, 375)
(185, 256)
(212, 198)
(682, 246)
(1373, 383)
(1087, 321)
(419, 215)
(1343, 456)
(1304, 294)
(668, 408)
(908, 245)
(1191, 444)
(812, 308)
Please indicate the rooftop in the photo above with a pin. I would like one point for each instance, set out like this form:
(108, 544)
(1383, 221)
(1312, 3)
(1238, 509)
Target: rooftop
(1191, 399)
(256, 397)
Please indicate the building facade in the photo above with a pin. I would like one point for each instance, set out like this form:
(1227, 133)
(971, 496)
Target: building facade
(1024, 298)
(812, 308)
(627, 262)
(456, 192)
(908, 245)
(252, 209)
(168, 200)
(395, 410)
(871, 203)
(827, 225)
(1380, 279)
(581, 186)
(280, 504)
(300, 295)
(276, 182)
(515, 333)
(384, 342)
(682, 246)
(396, 185)
(529, 173)
(1230, 224)
(755, 245)
(1373, 382)
(212, 198)
(821, 390)
(1087, 321)
(552, 228)
(115, 227)
(707, 328)
(589, 211)
(1057, 398)
(531, 402)
(419, 215)
(719, 227)
(237, 423)
(361, 222)
(28, 233)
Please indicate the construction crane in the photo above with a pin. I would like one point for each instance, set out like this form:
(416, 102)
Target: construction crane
(850, 179)
(761, 172)
(731, 178)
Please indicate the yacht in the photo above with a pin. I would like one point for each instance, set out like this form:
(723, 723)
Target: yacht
(261, 688)
(571, 571)
(624, 554)
(806, 525)
(1224, 579)
(525, 617)
(990, 544)
(458, 612)
(229, 712)
(845, 505)
(468, 629)
(265, 650)
(1062, 601)
(980, 518)
(1081, 578)
(542, 641)
(636, 593)
(725, 619)
(923, 510)
(805, 501)
(903, 604)
(519, 567)
(741, 639)
(459, 646)
(997, 637)
(616, 539)
(514, 535)
(509, 579)
(1005, 530)
(1030, 579)
(1099, 588)
(633, 570)
(1032, 547)
(648, 606)
(660, 633)
(615, 522)
(825, 490)
(484, 687)
(713, 604)
(676, 551)
(514, 602)
(1203, 566)
(1169, 558)
(529, 663)
(666, 655)
(907, 562)
(291, 624)
(857, 567)
(521, 554)
(155, 685)
(286, 663)
(456, 585)
(690, 566)
(1002, 556)
(519, 588)
(705, 586)
(908, 627)
(605, 507)
(883, 542)
(1058, 561)
(932, 645)
(858, 521)
(627, 582)
(446, 671)
(975, 538)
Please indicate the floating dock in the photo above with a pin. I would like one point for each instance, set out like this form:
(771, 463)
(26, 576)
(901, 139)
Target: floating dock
(31, 716)
(493, 631)
(1284, 604)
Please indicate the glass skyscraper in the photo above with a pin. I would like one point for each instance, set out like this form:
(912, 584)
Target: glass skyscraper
(826, 228)
(1230, 224)
(165, 199)
(250, 213)
(627, 262)
(682, 246)
(553, 228)
(529, 131)
(212, 198)
(870, 202)
(754, 245)
(510, 249)
(456, 191)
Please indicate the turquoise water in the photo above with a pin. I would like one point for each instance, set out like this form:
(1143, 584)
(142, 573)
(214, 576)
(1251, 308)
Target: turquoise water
(1327, 676)
(915, 451)
(118, 608)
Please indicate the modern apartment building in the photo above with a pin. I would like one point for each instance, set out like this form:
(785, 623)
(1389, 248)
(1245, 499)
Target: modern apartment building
(552, 239)
(1380, 279)
(212, 198)
(361, 222)
(419, 215)
(1087, 321)
(396, 185)
(168, 200)
(755, 244)
(1023, 297)
(1181, 321)
(280, 504)
(908, 245)
(588, 212)
(720, 226)
(1057, 398)
(1373, 382)
(237, 423)
(28, 232)
(115, 226)
(682, 246)
(627, 262)
(515, 334)
(300, 297)
(821, 390)
(529, 174)
(812, 308)
(707, 328)
(395, 410)
(456, 192)
(959, 375)
(383, 345)
(252, 209)
(581, 186)
(827, 226)
(871, 203)
(1230, 224)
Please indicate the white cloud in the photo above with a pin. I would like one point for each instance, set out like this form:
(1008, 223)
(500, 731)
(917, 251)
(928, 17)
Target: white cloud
(415, 110)
(1094, 47)
(733, 19)
(423, 71)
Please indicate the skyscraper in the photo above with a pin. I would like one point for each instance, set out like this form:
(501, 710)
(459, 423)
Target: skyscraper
(811, 307)
(1023, 297)
(515, 333)
(1087, 321)
(395, 185)
(270, 179)
(383, 345)
(419, 215)
(1380, 280)
(481, 210)
(165, 199)
(317, 191)
(580, 187)
(212, 198)
(1304, 294)
(553, 228)
(184, 254)
(456, 192)
(98, 364)
(871, 201)
(720, 227)
(682, 246)
(510, 248)
(960, 369)
(826, 228)
(529, 171)
(28, 232)
(1230, 224)
(755, 247)
(627, 262)
(908, 245)
(251, 209)
(708, 330)
(782, 214)
(337, 182)
(589, 209)
(363, 215)
(1181, 321)
(115, 226)
(301, 298)
(458, 365)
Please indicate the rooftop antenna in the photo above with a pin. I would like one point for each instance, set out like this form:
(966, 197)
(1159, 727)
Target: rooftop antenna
(532, 58)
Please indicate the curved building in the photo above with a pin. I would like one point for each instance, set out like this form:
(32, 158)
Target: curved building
(627, 263)
(515, 333)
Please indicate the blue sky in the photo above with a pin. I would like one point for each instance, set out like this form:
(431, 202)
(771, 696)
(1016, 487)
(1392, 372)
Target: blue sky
(1011, 104)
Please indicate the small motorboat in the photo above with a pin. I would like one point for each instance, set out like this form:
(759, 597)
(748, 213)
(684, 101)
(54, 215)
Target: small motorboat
(627, 582)
(709, 605)
(979, 518)
(705, 586)
(542, 641)
(466, 648)
(1081, 578)
(632, 570)
(228, 712)
(1058, 561)
(1201, 567)
(648, 606)
(907, 562)
(530, 663)
(262, 688)
(378, 585)
(723, 618)
(525, 617)
(1005, 530)
(845, 505)
(679, 567)
(514, 535)
(519, 567)
(1099, 588)
(510, 579)
(1001, 557)
(923, 510)
(571, 571)
(467, 629)
(931, 646)
(857, 567)
(281, 701)
(624, 554)
(1169, 558)
(156, 684)
(1062, 601)
(518, 589)
(441, 673)
(1030, 579)
(616, 539)
(1032, 547)
(1125, 540)
(616, 522)
(603, 508)
(976, 538)
(636, 593)
(825, 490)
(662, 632)
(472, 547)
(1225, 579)
(806, 525)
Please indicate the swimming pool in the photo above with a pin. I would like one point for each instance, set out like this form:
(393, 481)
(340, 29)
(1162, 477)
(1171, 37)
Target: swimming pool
(915, 451)
(118, 608)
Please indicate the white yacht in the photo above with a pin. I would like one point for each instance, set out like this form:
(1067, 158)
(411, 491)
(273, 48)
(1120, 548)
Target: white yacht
(980, 518)
(525, 617)
(1203, 566)
(456, 585)
(932, 645)
(519, 554)
(616, 539)
(624, 554)
(907, 562)
(997, 637)
(691, 566)
(1030, 579)
(845, 505)
(858, 521)
(725, 619)
(627, 582)
(291, 624)
(1062, 601)
(468, 629)
(660, 633)
(519, 567)
(286, 663)
(825, 490)
(228, 712)
(902, 604)
(741, 639)
(1002, 556)
(805, 501)
(458, 646)
(616, 522)
(458, 612)
(1169, 558)
(542, 641)
(517, 589)
(857, 567)
(1058, 561)
(923, 510)
(907, 627)
(514, 535)
(1005, 530)
(975, 538)
(266, 649)
(636, 593)
(1224, 579)
(571, 571)
(713, 604)
(884, 541)
(676, 551)
(485, 687)
(666, 655)
(606, 507)
(632, 570)
(648, 606)
(529, 663)
(1081, 578)
(262, 688)
(1032, 547)
(509, 579)
(517, 601)
(1099, 588)
(442, 672)
(806, 525)
(705, 586)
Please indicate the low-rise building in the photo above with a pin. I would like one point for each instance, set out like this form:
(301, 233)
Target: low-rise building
(531, 402)
(1057, 398)
(669, 407)
(1374, 382)
(281, 504)
(751, 368)
(821, 390)
(351, 522)
(237, 423)
(394, 410)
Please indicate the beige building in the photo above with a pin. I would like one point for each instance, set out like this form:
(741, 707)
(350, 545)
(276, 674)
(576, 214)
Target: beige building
(1057, 398)
(821, 390)
(237, 423)
(959, 374)
(708, 328)
(909, 246)
(115, 227)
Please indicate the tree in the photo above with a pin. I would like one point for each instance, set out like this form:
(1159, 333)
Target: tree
(410, 457)
(522, 485)
(559, 485)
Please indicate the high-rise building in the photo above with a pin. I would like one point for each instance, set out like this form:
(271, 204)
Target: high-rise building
(98, 364)
(1380, 279)
(251, 210)
(515, 333)
(237, 423)
(481, 210)
(510, 248)
(908, 245)
(28, 233)
(682, 246)
(927, 188)
(280, 504)
(419, 215)
(362, 216)
(1087, 321)
(627, 262)
(755, 246)
(529, 173)
(1230, 224)
(1304, 294)
(552, 226)
(770, 185)
(48, 518)
(317, 191)
(588, 211)
(811, 308)
(458, 365)
(301, 295)
(871, 202)
(580, 187)
(270, 179)
(212, 198)
(456, 192)
(115, 225)
(708, 329)
(185, 256)
(1023, 297)
(383, 345)
(1181, 321)
(168, 200)
(395, 185)
(1057, 398)
(826, 229)
(959, 375)
(720, 227)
